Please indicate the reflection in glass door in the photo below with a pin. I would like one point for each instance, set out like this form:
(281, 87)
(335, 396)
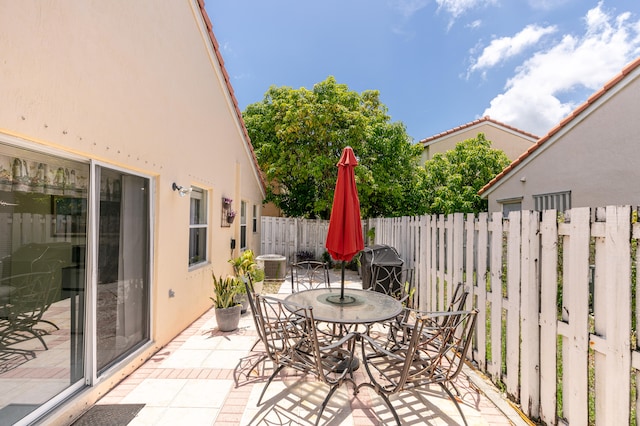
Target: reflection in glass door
(122, 316)
(43, 239)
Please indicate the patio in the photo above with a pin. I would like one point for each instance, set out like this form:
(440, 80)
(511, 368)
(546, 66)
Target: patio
(193, 380)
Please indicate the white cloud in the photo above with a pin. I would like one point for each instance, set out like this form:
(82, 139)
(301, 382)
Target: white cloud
(458, 7)
(531, 100)
(503, 48)
(546, 4)
(475, 24)
(408, 7)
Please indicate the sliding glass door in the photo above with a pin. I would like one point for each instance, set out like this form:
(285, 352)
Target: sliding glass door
(122, 314)
(43, 240)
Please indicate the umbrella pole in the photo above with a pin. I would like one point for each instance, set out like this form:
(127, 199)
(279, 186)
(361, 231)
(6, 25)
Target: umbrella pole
(342, 283)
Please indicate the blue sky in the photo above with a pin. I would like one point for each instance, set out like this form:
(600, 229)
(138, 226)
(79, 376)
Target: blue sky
(436, 63)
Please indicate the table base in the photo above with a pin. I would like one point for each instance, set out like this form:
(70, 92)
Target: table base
(337, 300)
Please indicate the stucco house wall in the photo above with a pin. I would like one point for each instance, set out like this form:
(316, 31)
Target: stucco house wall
(593, 153)
(506, 138)
(135, 85)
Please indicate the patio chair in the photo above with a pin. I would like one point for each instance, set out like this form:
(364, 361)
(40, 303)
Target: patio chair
(400, 329)
(393, 281)
(32, 296)
(245, 369)
(435, 354)
(308, 274)
(291, 340)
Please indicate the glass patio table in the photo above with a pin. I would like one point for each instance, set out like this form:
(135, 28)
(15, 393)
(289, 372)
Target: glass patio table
(365, 306)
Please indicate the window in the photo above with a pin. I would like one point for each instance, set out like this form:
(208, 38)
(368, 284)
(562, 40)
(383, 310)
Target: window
(254, 218)
(560, 201)
(510, 205)
(243, 225)
(198, 226)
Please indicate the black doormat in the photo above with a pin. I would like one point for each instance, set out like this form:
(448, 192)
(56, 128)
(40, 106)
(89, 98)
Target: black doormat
(109, 415)
(10, 414)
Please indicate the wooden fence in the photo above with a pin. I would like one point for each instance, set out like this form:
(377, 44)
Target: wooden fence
(556, 298)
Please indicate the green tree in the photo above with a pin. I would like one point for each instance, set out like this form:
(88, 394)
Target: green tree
(452, 179)
(298, 137)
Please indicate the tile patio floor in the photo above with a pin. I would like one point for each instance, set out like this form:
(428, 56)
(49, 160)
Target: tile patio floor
(200, 378)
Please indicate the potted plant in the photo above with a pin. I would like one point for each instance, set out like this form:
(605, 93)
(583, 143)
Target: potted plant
(231, 215)
(243, 266)
(227, 309)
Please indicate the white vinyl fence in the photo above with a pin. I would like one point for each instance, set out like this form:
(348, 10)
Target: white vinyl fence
(556, 298)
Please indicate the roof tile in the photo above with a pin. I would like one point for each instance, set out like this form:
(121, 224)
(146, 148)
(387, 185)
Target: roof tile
(216, 48)
(473, 123)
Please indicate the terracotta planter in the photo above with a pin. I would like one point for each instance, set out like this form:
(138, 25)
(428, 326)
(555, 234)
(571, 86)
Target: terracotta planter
(228, 318)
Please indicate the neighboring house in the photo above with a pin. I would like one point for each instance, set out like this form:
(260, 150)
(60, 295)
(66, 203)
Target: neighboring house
(590, 159)
(502, 136)
(120, 137)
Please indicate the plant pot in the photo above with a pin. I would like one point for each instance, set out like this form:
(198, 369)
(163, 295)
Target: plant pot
(228, 318)
(230, 219)
(243, 301)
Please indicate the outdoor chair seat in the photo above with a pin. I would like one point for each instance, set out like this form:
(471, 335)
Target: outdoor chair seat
(434, 354)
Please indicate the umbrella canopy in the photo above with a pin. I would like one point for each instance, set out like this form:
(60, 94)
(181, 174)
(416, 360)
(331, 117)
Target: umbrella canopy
(344, 238)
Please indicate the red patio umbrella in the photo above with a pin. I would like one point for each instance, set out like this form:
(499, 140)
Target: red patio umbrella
(344, 237)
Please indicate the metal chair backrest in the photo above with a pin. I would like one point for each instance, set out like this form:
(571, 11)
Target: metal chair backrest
(284, 330)
(251, 296)
(393, 281)
(309, 274)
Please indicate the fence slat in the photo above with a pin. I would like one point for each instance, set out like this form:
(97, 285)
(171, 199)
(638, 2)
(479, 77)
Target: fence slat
(575, 312)
(512, 360)
(481, 289)
(618, 318)
(529, 308)
(548, 316)
(495, 297)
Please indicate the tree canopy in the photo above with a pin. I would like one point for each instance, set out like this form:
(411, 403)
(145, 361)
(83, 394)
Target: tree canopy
(453, 178)
(299, 134)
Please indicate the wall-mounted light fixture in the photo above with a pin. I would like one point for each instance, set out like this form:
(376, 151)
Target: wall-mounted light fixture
(181, 190)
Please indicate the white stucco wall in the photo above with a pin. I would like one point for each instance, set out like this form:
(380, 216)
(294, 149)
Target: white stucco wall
(134, 84)
(595, 156)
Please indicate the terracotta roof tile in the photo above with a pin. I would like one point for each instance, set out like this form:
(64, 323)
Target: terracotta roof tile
(473, 123)
(216, 48)
(575, 113)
